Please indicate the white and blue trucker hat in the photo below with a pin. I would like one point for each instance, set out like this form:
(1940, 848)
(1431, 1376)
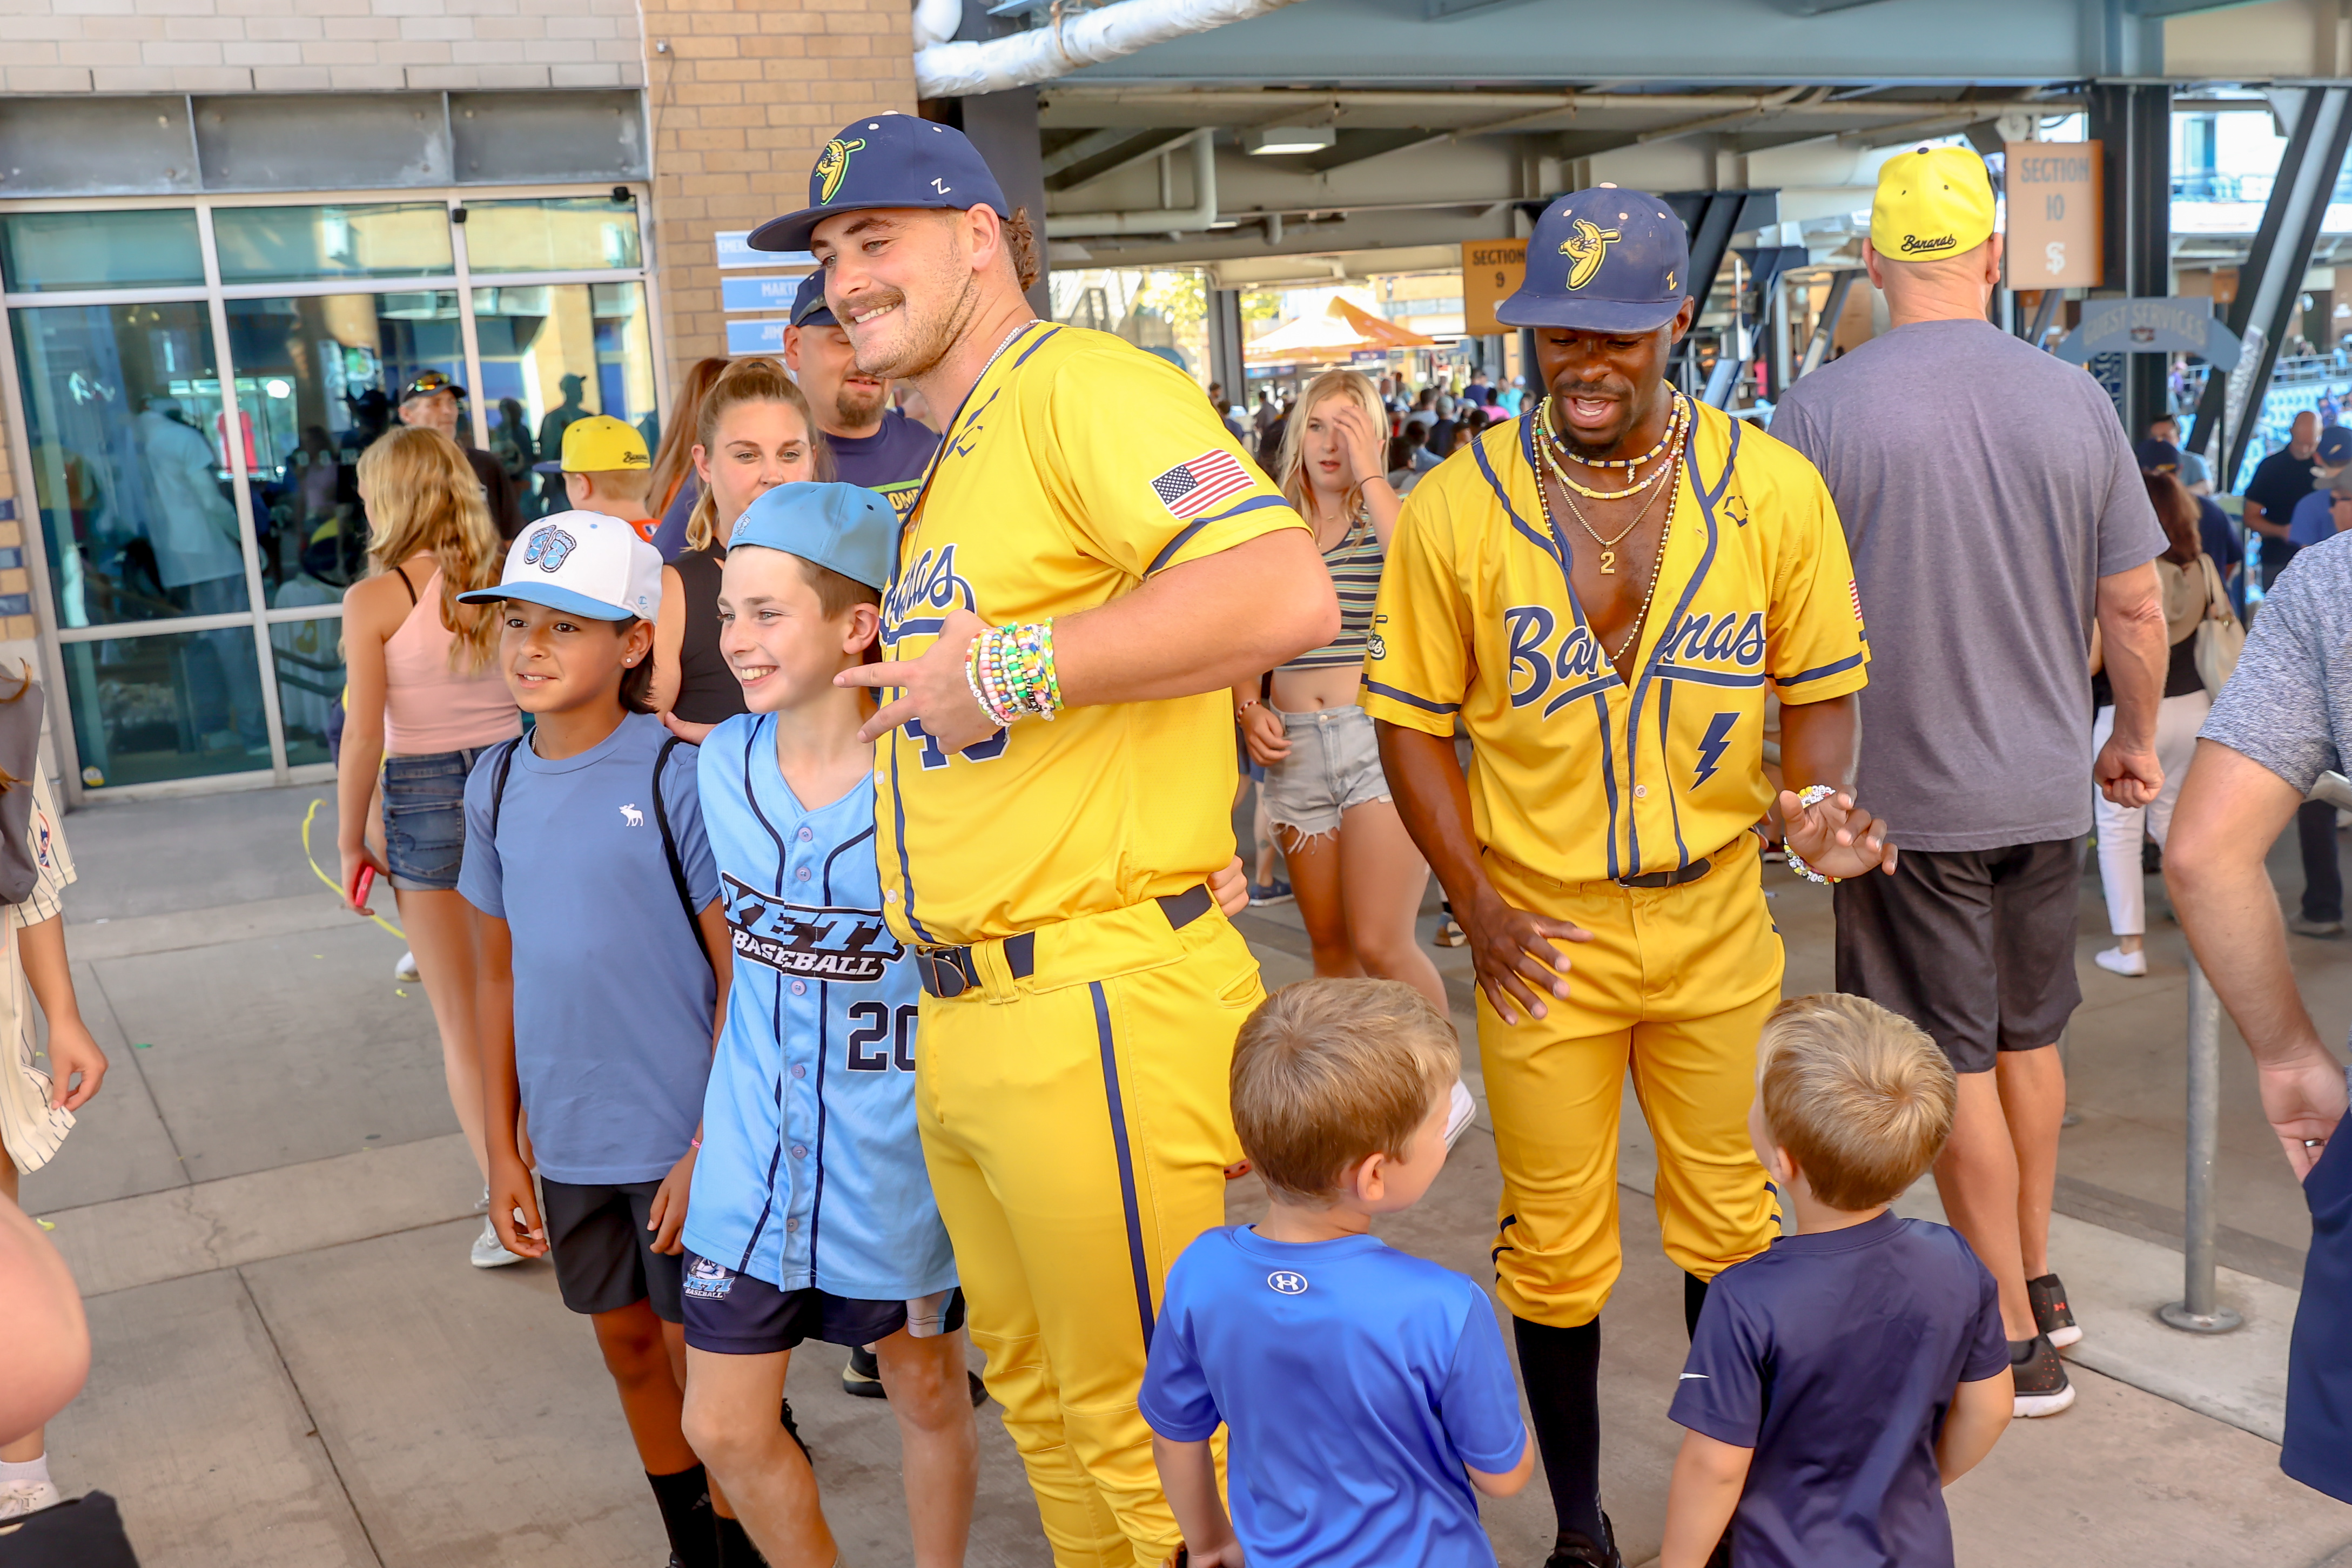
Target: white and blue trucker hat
(581, 562)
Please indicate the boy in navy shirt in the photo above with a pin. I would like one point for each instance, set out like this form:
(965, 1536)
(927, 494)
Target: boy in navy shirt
(1325, 1355)
(1840, 1380)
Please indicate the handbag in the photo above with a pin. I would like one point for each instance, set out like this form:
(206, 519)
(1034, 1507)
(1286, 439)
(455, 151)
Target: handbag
(2221, 636)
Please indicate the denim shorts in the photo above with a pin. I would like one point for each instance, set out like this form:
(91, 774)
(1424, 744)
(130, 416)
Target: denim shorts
(1334, 764)
(425, 818)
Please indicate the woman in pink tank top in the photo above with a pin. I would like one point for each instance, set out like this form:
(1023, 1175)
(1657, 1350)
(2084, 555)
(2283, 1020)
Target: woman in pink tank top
(424, 699)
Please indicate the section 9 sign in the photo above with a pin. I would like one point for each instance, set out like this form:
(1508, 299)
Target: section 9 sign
(1492, 270)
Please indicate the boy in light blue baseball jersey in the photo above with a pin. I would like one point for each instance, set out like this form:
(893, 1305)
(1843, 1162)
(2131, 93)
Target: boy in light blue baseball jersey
(812, 1214)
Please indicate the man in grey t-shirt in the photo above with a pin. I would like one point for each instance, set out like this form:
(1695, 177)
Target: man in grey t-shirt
(2284, 717)
(1994, 512)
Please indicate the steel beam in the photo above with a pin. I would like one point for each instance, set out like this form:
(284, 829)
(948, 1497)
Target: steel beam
(2133, 124)
(2320, 123)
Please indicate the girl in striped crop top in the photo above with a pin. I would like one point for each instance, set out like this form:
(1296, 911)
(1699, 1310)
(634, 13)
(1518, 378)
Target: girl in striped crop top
(1358, 877)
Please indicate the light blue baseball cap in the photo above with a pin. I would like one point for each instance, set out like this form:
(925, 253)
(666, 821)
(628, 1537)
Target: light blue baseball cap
(844, 528)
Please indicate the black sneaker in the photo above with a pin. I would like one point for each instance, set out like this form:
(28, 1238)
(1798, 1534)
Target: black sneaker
(862, 1376)
(1574, 1549)
(2041, 1385)
(793, 1430)
(2051, 1315)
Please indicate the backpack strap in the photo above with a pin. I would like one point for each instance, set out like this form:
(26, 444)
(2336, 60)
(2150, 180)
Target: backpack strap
(498, 771)
(669, 844)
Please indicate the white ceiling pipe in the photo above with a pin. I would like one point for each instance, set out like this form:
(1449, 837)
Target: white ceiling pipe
(1169, 220)
(1055, 48)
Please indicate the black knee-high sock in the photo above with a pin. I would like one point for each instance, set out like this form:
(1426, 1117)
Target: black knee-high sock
(1562, 1368)
(735, 1548)
(685, 1500)
(1694, 1302)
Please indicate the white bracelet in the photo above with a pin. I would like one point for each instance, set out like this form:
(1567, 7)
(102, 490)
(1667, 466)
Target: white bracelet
(1812, 794)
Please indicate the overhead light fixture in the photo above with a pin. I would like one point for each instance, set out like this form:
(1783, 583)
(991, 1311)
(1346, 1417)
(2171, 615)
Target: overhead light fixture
(1273, 140)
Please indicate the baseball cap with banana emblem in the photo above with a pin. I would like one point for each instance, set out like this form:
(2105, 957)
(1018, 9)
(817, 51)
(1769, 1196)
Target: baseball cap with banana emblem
(1604, 260)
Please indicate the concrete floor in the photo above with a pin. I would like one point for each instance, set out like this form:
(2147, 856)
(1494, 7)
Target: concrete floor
(269, 1210)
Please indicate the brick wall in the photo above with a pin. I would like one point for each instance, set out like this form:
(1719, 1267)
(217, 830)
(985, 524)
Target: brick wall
(317, 46)
(741, 99)
(16, 581)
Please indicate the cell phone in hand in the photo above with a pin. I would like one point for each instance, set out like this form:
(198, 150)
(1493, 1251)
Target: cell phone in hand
(360, 884)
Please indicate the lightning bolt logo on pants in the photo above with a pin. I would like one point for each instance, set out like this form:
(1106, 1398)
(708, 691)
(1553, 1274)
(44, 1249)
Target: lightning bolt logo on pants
(1711, 746)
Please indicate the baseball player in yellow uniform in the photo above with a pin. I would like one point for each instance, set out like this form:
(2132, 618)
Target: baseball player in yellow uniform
(1089, 567)
(1602, 591)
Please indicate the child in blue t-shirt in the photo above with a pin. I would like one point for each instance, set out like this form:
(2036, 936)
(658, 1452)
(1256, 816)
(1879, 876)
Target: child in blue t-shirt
(1365, 1393)
(605, 968)
(1840, 1380)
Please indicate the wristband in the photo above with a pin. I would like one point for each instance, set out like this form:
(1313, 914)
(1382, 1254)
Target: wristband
(1810, 795)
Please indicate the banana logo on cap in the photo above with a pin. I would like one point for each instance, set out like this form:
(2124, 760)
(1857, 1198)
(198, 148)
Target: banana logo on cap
(1585, 247)
(831, 164)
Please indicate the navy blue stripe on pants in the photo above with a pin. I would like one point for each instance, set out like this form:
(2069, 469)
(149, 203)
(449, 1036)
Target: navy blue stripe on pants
(1125, 1160)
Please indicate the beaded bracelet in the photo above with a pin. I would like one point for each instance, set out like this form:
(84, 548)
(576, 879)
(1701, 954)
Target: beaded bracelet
(1811, 795)
(1011, 672)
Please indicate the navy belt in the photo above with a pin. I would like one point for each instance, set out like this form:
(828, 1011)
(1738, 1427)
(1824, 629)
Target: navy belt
(950, 971)
(1674, 878)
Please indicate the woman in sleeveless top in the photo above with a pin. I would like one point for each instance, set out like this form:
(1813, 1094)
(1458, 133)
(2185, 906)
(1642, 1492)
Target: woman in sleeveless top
(753, 432)
(426, 698)
(1357, 874)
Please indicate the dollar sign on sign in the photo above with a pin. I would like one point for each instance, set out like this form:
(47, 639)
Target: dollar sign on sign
(2054, 257)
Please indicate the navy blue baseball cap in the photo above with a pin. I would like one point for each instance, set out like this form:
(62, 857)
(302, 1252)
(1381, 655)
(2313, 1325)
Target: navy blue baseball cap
(845, 527)
(809, 309)
(888, 161)
(2334, 446)
(1602, 260)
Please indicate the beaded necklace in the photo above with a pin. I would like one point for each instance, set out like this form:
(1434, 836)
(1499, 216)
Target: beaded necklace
(1665, 533)
(1553, 448)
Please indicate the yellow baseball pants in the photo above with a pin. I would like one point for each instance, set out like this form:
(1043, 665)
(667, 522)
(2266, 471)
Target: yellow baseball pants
(1077, 1125)
(1675, 985)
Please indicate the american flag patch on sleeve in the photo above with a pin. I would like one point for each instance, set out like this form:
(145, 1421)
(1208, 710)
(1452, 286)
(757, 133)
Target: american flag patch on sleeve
(1190, 488)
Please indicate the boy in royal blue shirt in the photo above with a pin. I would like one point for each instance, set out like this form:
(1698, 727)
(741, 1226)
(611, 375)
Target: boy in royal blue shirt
(1365, 1393)
(1840, 1380)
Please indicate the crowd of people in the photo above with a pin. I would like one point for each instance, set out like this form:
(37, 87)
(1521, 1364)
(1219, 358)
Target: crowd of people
(815, 842)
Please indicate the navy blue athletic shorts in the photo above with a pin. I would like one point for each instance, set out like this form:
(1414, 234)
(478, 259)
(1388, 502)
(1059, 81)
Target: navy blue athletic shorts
(729, 1314)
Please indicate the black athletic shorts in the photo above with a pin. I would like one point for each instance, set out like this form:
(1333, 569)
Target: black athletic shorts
(604, 1257)
(1975, 947)
(729, 1314)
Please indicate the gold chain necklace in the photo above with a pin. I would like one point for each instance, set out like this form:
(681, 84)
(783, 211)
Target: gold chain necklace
(1609, 545)
(1665, 533)
(1553, 446)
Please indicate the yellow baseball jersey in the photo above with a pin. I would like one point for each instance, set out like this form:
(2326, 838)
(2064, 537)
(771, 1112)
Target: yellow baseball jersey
(1575, 774)
(1077, 466)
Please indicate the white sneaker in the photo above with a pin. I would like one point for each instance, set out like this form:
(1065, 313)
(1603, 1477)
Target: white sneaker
(2115, 961)
(489, 1252)
(406, 968)
(18, 1499)
(1460, 1111)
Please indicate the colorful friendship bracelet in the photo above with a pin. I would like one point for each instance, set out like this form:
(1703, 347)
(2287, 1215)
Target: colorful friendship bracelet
(1011, 672)
(1812, 794)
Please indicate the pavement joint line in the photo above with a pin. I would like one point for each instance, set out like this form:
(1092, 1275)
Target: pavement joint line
(309, 1417)
(137, 936)
(139, 1064)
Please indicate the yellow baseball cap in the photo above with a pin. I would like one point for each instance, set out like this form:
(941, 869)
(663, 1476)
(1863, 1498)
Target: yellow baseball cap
(599, 445)
(1932, 203)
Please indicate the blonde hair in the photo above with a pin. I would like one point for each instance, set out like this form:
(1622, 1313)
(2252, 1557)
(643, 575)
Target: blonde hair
(421, 495)
(674, 459)
(1290, 462)
(758, 379)
(1327, 1072)
(1860, 1097)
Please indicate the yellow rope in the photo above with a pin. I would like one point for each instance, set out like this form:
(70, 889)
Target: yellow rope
(307, 818)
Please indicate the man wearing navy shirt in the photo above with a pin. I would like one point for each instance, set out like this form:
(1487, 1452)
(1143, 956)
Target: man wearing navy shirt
(1833, 1434)
(874, 444)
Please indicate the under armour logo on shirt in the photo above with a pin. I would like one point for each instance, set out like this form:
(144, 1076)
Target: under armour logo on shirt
(1288, 1283)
